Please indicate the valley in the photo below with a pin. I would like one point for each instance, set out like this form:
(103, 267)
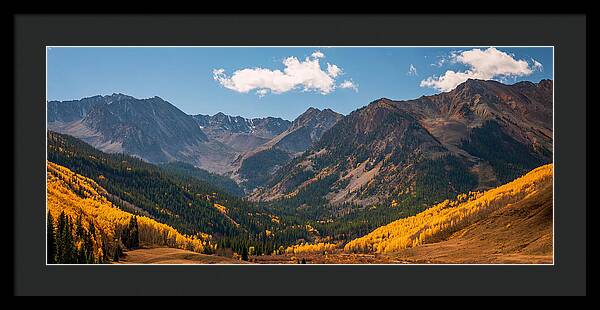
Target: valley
(463, 176)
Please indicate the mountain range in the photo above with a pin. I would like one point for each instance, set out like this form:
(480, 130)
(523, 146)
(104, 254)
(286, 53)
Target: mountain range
(477, 136)
(158, 132)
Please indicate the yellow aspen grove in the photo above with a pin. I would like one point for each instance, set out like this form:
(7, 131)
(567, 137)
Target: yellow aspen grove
(310, 248)
(441, 220)
(76, 195)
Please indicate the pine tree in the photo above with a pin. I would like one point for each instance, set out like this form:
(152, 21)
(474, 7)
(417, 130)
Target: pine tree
(117, 254)
(105, 256)
(51, 240)
(92, 229)
(60, 240)
(244, 254)
(88, 245)
(135, 234)
(70, 248)
(130, 235)
(81, 256)
(79, 228)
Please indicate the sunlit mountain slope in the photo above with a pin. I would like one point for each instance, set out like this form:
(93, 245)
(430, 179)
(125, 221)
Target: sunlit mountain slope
(517, 216)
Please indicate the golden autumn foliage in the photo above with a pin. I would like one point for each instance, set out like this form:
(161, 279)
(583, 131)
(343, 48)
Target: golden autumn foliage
(221, 208)
(441, 220)
(310, 248)
(76, 195)
(275, 219)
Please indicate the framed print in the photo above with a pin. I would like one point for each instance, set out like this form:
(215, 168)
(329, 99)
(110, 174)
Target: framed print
(291, 159)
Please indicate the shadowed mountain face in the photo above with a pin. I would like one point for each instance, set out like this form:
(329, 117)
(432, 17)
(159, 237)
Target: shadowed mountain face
(307, 129)
(158, 132)
(479, 135)
(152, 129)
(258, 165)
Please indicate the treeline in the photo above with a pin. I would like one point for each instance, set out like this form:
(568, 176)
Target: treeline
(266, 243)
(362, 220)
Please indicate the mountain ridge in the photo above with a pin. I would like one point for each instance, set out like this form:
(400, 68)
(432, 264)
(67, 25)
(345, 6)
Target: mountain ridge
(241, 134)
(257, 165)
(400, 142)
(453, 126)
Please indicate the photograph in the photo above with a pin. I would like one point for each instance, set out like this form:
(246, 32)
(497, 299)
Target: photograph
(286, 155)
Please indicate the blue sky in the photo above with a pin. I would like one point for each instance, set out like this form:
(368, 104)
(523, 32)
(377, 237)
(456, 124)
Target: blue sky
(282, 81)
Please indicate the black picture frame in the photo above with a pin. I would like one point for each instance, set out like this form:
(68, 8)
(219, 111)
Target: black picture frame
(567, 33)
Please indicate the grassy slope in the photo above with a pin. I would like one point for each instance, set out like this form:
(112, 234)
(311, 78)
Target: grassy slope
(518, 233)
(161, 255)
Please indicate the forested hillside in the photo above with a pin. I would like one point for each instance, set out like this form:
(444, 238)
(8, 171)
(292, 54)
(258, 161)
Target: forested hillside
(84, 226)
(178, 200)
(442, 220)
(216, 180)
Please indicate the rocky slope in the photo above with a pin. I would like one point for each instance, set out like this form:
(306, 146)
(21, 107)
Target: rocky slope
(257, 165)
(152, 129)
(477, 136)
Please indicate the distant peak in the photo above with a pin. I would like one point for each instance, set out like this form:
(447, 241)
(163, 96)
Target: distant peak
(380, 102)
(473, 84)
(525, 83)
(472, 80)
(117, 97)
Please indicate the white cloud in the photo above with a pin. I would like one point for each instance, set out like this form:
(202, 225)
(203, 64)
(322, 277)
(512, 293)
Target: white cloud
(412, 71)
(305, 74)
(482, 64)
(349, 84)
(440, 62)
(262, 92)
(444, 59)
(318, 54)
(537, 66)
(333, 70)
